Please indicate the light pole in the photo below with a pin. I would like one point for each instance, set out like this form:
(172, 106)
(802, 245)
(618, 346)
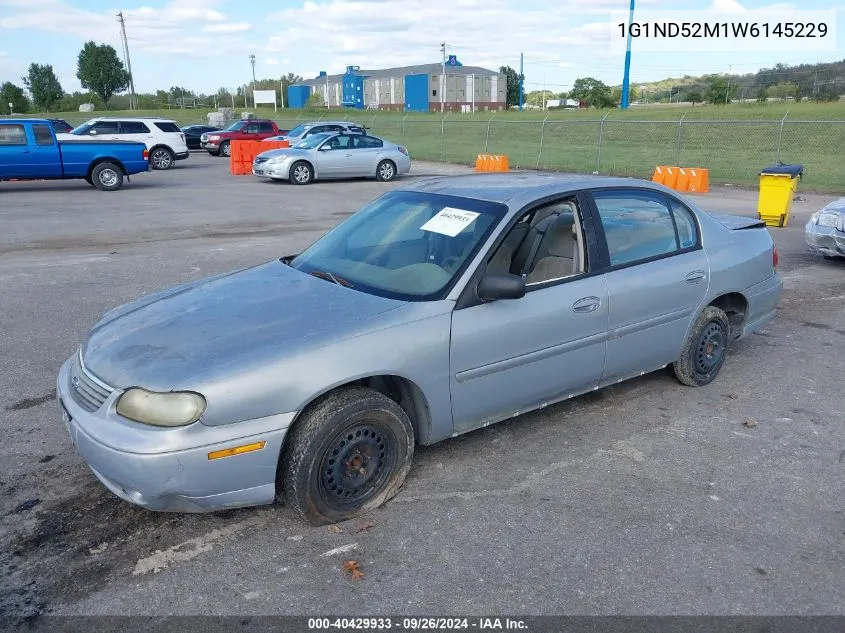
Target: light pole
(443, 77)
(252, 61)
(627, 77)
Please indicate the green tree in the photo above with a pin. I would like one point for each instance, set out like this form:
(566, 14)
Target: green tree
(315, 101)
(286, 81)
(782, 90)
(10, 93)
(694, 97)
(719, 89)
(594, 93)
(99, 70)
(44, 86)
(763, 95)
(513, 79)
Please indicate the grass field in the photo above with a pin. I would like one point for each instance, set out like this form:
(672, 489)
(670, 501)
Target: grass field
(734, 142)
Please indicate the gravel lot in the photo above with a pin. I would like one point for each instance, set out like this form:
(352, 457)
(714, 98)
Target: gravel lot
(644, 498)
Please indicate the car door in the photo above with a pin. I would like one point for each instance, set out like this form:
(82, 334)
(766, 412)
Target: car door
(107, 130)
(366, 153)
(657, 277)
(15, 153)
(511, 356)
(136, 131)
(333, 157)
(44, 155)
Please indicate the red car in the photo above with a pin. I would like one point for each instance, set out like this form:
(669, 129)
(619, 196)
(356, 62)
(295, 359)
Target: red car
(217, 143)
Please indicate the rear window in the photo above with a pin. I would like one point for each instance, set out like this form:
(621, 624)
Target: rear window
(167, 126)
(12, 134)
(43, 134)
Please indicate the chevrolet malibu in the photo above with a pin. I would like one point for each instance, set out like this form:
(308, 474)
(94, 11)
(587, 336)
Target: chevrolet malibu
(441, 307)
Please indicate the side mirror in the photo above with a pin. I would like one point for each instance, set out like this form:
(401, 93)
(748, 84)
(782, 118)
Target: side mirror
(93, 132)
(325, 148)
(492, 287)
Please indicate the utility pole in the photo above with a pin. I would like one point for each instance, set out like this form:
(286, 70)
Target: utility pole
(728, 89)
(132, 101)
(626, 79)
(443, 78)
(521, 74)
(252, 61)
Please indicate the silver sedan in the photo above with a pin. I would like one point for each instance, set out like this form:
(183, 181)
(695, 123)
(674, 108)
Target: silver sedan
(825, 231)
(332, 155)
(441, 307)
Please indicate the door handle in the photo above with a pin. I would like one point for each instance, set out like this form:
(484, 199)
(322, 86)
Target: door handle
(587, 304)
(695, 277)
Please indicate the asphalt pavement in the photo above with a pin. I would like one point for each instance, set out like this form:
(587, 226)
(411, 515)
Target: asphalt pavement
(648, 497)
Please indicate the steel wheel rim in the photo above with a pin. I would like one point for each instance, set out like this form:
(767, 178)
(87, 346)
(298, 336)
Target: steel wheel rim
(357, 464)
(710, 349)
(387, 171)
(161, 159)
(300, 173)
(108, 177)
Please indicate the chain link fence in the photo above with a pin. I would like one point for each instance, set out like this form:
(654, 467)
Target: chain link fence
(733, 150)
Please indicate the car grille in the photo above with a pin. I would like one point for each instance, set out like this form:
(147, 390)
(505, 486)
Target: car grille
(260, 160)
(87, 390)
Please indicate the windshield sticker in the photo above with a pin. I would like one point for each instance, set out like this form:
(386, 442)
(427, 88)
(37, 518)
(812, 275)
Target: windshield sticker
(450, 221)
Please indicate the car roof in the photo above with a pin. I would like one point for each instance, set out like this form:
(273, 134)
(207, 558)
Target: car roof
(132, 118)
(516, 189)
(331, 123)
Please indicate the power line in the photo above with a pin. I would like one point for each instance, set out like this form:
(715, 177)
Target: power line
(132, 101)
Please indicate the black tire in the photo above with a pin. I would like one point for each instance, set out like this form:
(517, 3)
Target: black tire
(225, 149)
(88, 180)
(107, 177)
(386, 171)
(161, 158)
(211, 153)
(705, 348)
(301, 173)
(315, 468)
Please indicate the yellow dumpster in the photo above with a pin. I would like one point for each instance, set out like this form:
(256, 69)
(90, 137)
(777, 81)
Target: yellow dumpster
(778, 185)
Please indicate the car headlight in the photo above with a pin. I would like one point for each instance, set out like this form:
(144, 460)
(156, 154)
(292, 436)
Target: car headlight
(214, 137)
(278, 160)
(172, 408)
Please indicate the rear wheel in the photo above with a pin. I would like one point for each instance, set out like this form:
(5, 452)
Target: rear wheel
(107, 177)
(225, 150)
(386, 171)
(348, 454)
(301, 173)
(162, 158)
(705, 348)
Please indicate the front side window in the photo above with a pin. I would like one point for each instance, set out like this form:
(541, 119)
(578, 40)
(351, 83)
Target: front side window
(236, 126)
(311, 142)
(106, 127)
(12, 134)
(637, 224)
(252, 128)
(404, 245)
(298, 130)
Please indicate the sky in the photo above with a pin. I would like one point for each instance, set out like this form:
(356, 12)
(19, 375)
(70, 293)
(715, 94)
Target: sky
(205, 44)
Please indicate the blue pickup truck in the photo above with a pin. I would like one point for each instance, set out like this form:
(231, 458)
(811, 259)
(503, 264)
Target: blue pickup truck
(29, 150)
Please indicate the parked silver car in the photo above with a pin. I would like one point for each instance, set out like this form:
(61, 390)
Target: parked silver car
(332, 155)
(440, 307)
(825, 230)
(308, 129)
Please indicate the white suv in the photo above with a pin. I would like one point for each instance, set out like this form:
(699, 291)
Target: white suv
(163, 138)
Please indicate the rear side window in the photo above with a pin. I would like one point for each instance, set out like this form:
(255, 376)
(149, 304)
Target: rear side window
(167, 126)
(266, 126)
(12, 134)
(43, 134)
(133, 127)
(638, 225)
(367, 142)
(687, 230)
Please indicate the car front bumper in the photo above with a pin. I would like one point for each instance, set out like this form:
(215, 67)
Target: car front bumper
(168, 469)
(275, 171)
(211, 146)
(826, 240)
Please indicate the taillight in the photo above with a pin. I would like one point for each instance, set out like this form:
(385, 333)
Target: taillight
(146, 154)
(774, 256)
(403, 150)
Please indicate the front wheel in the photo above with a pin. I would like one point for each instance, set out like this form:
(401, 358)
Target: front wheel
(705, 348)
(386, 171)
(348, 454)
(225, 150)
(301, 173)
(162, 158)
(107, 177)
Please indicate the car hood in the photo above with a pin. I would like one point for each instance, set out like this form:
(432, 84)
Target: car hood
(282, 151)
(174, 338)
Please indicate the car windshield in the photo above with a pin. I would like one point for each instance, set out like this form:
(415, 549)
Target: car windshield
(299, 130)
(237, 125)
(404, 245)
(312, 141)
(83, 129)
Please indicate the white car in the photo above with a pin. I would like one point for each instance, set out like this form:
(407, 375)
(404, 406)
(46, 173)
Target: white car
(163, 138)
